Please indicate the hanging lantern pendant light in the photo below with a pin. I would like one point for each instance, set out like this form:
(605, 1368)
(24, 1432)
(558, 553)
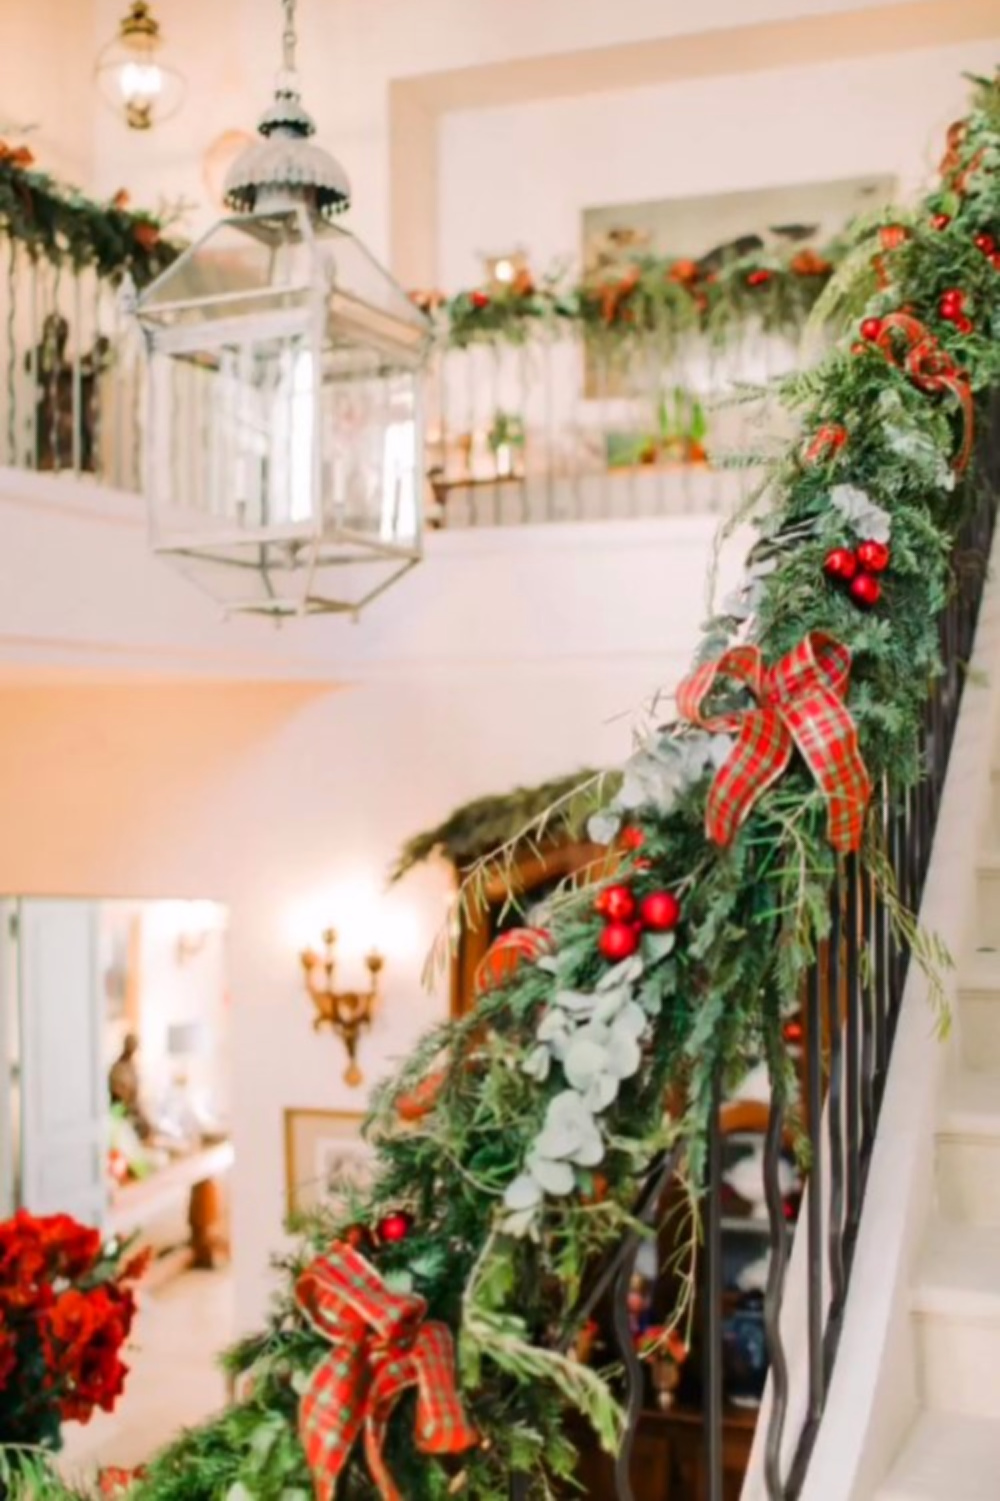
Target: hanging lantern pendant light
(284, 443)
(132, 75)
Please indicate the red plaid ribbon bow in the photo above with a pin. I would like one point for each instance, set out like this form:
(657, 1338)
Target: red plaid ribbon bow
(799, 704)
(930, 368)
(380, 1346)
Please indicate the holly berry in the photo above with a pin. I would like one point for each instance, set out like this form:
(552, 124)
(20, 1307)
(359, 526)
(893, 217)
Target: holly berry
(871, 328)
(661, 911)
(859, 348)
(618, 941)
(616, 903)
(873, 556)
(793, 1031)
(940, 221)
(964, 325)
(759, 278)
(866, 591)
(479, 300)
(394, 1227)
(985, 243)
(632, 838)
(840, 564)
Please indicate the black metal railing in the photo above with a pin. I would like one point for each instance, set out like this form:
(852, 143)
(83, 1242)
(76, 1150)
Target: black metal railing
(851, 1004)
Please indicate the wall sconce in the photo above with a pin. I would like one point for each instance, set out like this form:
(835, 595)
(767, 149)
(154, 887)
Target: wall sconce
(348, 1013)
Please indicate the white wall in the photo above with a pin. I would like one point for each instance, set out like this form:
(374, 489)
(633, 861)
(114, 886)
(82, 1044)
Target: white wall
(522, 174)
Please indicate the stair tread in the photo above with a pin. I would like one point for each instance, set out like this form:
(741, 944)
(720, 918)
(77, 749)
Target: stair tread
(947, 1458)
(959, 1271)
(972, 1105)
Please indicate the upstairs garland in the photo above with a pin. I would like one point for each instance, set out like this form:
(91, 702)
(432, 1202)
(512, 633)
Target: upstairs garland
(63, 226)
(510, 1144)
(654, 295)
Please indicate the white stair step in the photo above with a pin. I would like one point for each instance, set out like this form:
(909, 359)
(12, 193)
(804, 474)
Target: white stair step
(979, 1012)
(987, 929)
(947, 1458)
(968, 1149)
(956, 1313)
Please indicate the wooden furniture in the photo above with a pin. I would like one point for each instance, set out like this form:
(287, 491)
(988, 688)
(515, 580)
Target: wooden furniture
(194, 1182)
(669, 1461)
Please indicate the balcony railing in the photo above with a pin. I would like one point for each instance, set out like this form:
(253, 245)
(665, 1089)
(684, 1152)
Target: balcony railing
(541, 407)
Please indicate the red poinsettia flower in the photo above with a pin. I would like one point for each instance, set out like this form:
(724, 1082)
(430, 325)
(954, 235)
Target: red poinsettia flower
(22, 1262)
(81, 1336)
(71, 1249)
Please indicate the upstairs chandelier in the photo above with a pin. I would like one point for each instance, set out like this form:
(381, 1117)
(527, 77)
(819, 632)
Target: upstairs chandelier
(284, 437)
(132, 75)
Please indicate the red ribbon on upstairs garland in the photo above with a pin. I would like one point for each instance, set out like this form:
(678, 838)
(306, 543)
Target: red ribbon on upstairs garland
(799, 706)
(930, 368)
(380, 1345)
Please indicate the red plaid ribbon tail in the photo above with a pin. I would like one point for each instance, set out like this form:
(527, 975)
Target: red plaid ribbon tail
(799, 704)
(931, 369)
(380, 1346)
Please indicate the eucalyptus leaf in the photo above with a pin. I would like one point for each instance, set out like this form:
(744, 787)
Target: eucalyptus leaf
(624, 973)
(657, 946)
(538, 1064)
(556, 1178)
(523, 1193)
(603, 827)
(584, 1060)
(599, 1094)
(624, 1055)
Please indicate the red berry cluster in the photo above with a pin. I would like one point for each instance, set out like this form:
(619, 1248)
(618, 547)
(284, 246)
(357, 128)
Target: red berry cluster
(951, 306)
(988, 245)
(625, 919)
(858, 570)
(392, 1228)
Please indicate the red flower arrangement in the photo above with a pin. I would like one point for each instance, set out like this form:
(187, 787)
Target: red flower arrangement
(66, 1309)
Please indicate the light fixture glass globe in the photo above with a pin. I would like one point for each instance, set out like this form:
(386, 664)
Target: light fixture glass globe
(132, 75)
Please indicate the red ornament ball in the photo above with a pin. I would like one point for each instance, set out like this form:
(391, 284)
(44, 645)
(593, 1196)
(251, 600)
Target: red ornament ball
(866, 591)
(479, 300)
(941, 221)
(661, 911)
(394, 1227)
(840, 564)
(874, 556)
(619, 940)
(616, 903)
(358, 1237)
(951, 303)
(871, 328)
(985, 243)
(632, 838)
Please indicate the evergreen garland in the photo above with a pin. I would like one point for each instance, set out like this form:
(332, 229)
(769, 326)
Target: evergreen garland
(503, 1266)
(64, 226)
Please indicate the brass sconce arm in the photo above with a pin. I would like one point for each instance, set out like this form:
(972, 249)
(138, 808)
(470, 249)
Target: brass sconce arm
(348, 1013)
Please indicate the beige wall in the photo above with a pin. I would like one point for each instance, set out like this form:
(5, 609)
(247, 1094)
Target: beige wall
(47, 52)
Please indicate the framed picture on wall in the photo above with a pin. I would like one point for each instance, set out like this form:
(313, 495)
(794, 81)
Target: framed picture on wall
(324, 1155)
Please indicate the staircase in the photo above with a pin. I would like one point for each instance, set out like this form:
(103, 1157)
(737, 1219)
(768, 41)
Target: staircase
(953, 1450)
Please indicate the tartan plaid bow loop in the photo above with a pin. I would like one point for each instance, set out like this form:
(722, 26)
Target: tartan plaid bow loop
(799, 704)
(380, 1344)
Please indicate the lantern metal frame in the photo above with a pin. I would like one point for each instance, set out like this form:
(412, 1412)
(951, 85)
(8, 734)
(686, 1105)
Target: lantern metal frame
(318, 315)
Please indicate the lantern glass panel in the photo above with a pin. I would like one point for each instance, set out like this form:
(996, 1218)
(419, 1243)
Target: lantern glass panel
(248, 263)
(371, 444)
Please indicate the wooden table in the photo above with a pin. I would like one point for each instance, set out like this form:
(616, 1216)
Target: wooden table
(193, 1179)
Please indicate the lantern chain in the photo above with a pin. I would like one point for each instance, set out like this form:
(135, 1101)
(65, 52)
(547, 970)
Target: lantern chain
(289, 39)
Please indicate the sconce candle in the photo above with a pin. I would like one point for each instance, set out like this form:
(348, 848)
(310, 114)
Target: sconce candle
(348, 1013)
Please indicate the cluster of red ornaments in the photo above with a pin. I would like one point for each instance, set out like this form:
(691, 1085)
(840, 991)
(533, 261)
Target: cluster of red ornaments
(951, 306)
(390, 1230)
(858, 568)
(625, 919)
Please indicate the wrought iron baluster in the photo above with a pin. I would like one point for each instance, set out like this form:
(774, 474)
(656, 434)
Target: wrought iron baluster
(835, 1108)
(712, 1362)
(774, 1293)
